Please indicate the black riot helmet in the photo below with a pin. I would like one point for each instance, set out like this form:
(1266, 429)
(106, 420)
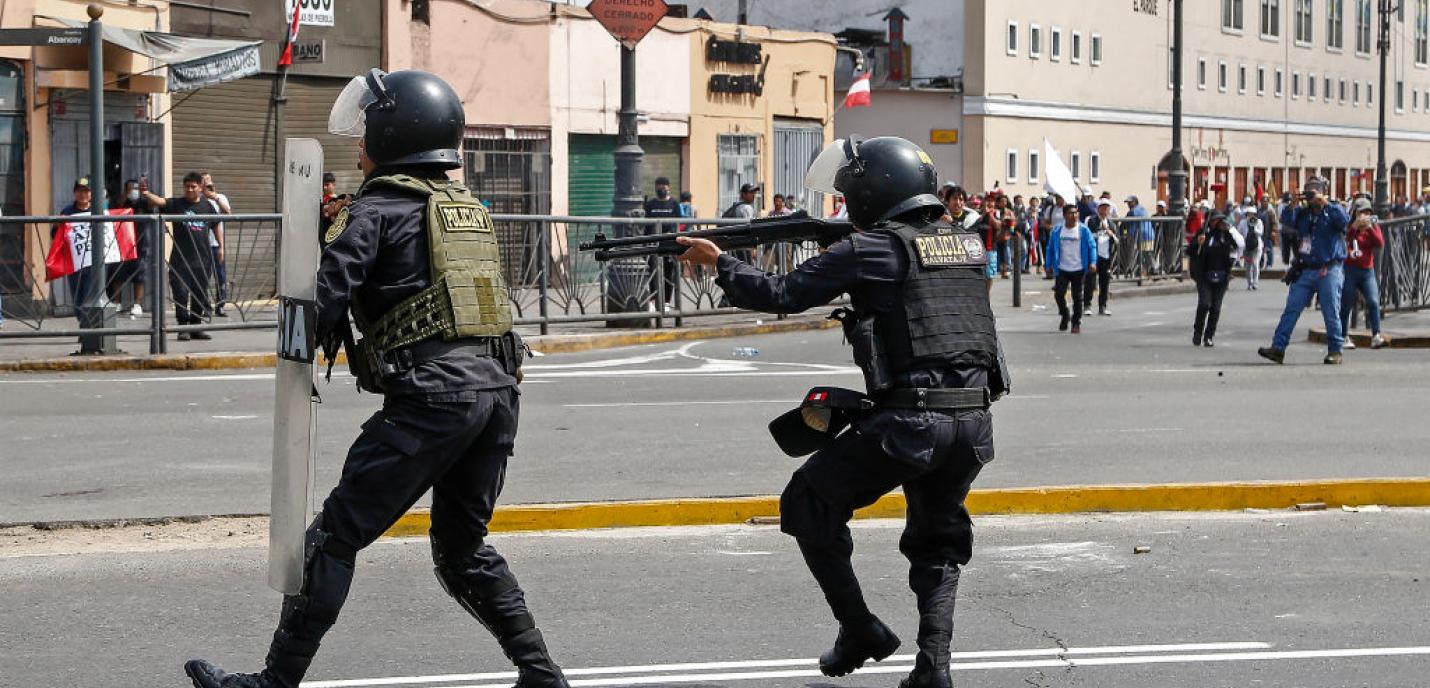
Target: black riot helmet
(405, 118)
(880, 178)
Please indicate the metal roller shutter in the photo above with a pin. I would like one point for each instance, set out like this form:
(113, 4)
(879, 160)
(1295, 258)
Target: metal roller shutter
(592, 170)
(310, 99)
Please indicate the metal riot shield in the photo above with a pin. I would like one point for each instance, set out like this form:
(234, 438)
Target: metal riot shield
(294, 412)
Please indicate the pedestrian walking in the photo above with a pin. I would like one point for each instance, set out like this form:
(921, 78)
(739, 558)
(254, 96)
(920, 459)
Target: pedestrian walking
(450, 407)
(926, 423)
(1363, 239)
(1318, 270)
(1072, 254)
(1106, 239)
(1213, 254)
(1253, 243)
(1270, 231)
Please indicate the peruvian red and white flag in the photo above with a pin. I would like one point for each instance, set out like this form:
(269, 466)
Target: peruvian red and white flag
(859, 95)
(71, 251)
(286, 59)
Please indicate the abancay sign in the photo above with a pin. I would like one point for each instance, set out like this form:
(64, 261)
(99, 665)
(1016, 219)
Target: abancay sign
(628, 20)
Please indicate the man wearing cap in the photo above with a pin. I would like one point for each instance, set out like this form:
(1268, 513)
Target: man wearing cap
(662, 205)
(1106, 242)
(745, 207)
(1320, 255)
(77, 281)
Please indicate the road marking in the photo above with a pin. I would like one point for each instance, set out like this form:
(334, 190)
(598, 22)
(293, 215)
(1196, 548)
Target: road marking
(1058, 659)
(239, 377)
(1065, 376)
(1148, 430)
(233, 417)
(737, 402)
(777, 663)
(1157, 323)
(1177, 370)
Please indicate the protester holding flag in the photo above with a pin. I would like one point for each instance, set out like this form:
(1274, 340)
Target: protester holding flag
(75, 279)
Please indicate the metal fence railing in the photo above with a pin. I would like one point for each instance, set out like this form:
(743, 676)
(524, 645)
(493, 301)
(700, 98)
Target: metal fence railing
(1148, 249)
(550, 281)
(1403, 270)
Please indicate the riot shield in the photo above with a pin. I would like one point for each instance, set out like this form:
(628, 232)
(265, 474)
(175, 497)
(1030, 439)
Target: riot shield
(294, 413)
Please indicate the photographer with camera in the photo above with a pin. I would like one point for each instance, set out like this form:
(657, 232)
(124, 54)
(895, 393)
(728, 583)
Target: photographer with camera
(1320, 253)
(1363, 239)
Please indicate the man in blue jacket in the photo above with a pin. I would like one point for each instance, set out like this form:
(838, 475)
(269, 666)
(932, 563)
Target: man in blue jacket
(1072, 255)
(1320, 252)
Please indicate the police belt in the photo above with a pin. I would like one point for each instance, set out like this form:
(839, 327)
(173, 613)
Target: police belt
(935, 399)
(408, 357)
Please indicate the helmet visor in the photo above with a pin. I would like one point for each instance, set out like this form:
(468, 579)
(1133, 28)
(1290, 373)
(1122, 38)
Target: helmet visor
(826, 167)
(349, 114)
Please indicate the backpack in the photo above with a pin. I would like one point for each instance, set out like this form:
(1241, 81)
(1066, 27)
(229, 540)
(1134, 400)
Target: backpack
(732, 211)
(1253, 238)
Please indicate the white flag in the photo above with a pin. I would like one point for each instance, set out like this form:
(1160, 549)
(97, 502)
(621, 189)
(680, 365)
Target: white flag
(1056, 178)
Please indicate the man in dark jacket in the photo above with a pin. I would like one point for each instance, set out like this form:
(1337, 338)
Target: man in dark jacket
(1213, 253)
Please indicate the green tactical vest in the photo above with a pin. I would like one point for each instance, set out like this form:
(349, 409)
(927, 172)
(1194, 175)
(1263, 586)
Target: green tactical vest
(468, 296)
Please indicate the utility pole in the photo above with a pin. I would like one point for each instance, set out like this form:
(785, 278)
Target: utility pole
(744, 17)
(1177, 177)
(1382, 182)
(97, 311)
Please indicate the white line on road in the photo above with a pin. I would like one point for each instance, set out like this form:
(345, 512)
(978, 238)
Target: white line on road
(775, 663)
(677, 403)
(1059, 660)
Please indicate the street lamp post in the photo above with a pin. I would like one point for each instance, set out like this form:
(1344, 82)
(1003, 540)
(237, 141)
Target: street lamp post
(95, 310)
(1382, 183)
(1177, 177)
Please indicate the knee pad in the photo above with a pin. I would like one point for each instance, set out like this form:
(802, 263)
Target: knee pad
(804, 514)
(487, 602)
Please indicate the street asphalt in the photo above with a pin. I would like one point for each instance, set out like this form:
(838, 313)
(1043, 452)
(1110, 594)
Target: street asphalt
(1127, 401)
(1274, 600)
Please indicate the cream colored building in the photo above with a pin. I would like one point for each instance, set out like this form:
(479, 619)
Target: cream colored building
(1274, 90)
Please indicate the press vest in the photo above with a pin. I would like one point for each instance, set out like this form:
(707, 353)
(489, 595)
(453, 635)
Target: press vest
(943, 315)
(468, 295)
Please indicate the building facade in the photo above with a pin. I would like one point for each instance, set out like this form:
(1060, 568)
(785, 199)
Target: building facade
(1274, 91)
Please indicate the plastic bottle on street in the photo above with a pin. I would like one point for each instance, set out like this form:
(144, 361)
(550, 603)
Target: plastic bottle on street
(746, 352)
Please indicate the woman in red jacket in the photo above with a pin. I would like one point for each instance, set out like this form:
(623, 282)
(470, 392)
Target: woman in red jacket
(1363, 239)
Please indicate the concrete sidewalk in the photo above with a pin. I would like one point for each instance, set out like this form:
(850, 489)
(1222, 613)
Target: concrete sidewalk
(1403, 330)
(231, 349)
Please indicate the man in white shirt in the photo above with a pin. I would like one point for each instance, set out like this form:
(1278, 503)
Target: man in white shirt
(1106, 241)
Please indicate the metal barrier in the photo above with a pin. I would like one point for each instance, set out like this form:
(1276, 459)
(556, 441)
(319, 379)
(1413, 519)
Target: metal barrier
(549, 280)
(185, 272)
(1149, 249)
(1403, 270)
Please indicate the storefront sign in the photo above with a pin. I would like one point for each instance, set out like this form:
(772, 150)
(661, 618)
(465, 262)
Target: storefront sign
(733, 52)
(312, 12)
(1145, 6)
(943, 136)
(42, 36)
(215, 69)
(628, 21)
(309, 51)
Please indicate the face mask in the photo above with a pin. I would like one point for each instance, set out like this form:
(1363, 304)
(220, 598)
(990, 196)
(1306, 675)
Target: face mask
(134, 194)
(662, 193)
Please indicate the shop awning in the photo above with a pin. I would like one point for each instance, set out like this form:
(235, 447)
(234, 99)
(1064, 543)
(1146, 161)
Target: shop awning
(193, 62)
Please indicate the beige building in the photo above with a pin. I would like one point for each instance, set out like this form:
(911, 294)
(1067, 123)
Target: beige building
(1274, 90)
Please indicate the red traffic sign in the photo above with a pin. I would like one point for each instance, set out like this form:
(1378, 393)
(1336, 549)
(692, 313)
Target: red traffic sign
(628, 20)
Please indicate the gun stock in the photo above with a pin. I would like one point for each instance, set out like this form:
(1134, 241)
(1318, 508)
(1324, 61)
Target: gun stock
(792, 228)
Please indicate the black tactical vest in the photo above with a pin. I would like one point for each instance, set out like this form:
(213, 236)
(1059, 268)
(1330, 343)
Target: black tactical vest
(943, 315)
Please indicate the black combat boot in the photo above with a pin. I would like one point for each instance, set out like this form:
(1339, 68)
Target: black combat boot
(205, 675)
(936, 588)
(534, 666)
(857, 643)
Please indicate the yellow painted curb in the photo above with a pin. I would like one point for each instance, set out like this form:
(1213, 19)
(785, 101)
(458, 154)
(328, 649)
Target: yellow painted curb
(1035, 500)
(547, 344)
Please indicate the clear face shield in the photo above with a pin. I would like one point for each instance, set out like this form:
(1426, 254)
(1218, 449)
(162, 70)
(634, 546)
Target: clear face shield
(349, 114)
(825, 168)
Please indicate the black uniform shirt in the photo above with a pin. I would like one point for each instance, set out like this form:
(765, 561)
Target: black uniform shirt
(381, 256)
(872, 274)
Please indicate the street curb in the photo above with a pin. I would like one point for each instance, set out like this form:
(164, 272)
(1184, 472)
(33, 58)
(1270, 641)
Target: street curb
(546, 344)
(1034, 500)
(1362, 339)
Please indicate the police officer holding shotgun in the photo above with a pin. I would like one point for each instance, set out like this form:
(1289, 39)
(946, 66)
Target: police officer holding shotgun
(415, 261)
(923, 333)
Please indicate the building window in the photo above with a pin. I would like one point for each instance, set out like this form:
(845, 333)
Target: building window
(1221, 76)
(1335, 24)
(1270, 18)
(1075, 159)
(1012, 38)
(1231, 15)
(1202, 73)
(1260, 81)
(1035, 41)
(1241, 78)
(1355, 93)
(1295, 84)
(1077, 48)
(1415, 100)
(1033, 158)
(1012, 175)
(13, 110)
(1341, 93)
(1400, 96)
(1310, 87)
(1303, 22)
(1330, 89)
(1422, 28)
(1096, 50)
(1094, 170)
(1369, 94)
(1055, 49)
(1280, 81)
(739, 163)
(1363, 27)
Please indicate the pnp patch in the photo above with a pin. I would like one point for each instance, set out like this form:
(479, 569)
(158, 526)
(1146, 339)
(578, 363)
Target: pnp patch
(335, 230)
(948, 250)
(465, 217)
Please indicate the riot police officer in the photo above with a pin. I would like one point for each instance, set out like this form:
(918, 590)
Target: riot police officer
(923, 332)
(415, 262)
